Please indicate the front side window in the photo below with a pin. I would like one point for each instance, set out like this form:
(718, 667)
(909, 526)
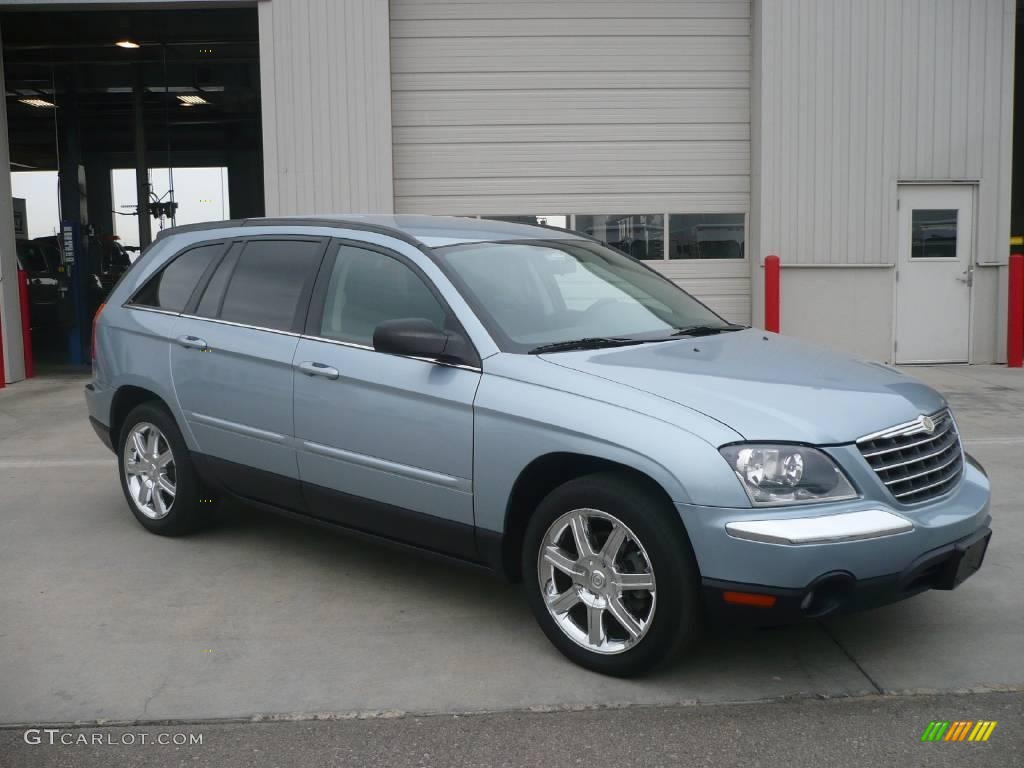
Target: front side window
(535, 293)
(172, 287)
(270, 281)
(366, 289)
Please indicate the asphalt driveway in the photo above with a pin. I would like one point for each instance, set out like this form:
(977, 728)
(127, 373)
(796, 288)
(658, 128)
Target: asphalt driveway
(101, 621)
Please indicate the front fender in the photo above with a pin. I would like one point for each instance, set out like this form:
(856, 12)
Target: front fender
(518, 421)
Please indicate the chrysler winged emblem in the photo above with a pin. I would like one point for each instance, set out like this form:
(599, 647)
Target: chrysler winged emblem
(927, 423)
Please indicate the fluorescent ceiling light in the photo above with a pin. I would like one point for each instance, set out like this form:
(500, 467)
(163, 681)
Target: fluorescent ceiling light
(37, 103)
(127, 44)
(191, 99)
(182, 88)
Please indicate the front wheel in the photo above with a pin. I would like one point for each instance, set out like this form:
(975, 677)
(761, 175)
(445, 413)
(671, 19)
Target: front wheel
(610, 574)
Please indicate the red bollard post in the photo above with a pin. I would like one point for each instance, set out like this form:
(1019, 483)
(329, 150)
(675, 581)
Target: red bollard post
(1015, 313)
(26, 323)
(771, 294)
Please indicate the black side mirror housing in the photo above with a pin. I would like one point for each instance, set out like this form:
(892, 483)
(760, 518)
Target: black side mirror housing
(419, 337)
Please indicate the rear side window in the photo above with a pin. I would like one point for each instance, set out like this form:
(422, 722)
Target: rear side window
(172, 287)
(209, 305)
(271, 282)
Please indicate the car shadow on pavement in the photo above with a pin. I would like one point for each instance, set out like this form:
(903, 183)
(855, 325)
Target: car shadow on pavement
(727, 662)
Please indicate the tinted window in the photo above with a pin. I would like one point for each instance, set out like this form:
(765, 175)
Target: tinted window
(367, 288)
(173, 286)
(269, 281)
(209, 305)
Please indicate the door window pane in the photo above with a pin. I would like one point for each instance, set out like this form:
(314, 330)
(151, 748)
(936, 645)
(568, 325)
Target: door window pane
(641, 235)
(933, 233)
(209, 305)
(706, 235)
(267, 285)
(173, 286)
(367, 288)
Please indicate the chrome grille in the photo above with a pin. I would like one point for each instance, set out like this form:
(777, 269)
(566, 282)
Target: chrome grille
(913, 463)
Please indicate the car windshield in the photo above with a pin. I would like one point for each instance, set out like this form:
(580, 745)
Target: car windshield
(534, 294)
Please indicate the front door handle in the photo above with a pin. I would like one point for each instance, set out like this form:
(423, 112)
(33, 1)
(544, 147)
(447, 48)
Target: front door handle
(319, 369)
(192, 342)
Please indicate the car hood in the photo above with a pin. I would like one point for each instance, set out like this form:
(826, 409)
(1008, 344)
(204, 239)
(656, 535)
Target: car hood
(765, 386)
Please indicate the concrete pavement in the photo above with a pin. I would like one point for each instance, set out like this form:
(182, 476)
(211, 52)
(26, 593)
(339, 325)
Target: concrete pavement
(101, 621)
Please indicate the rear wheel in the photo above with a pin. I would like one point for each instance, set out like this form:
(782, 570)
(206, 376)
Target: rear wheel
(610, 574)
(157, 475)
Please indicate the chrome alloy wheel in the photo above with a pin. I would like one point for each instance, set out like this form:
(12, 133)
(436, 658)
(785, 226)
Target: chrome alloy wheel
(597, 581)
(149, 470)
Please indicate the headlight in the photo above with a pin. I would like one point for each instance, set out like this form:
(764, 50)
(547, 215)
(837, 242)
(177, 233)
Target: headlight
(787, 474)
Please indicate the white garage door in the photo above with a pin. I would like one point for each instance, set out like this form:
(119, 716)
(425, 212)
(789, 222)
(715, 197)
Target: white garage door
(630, 119)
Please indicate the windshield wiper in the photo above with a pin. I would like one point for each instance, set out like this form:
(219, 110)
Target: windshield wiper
(707, 330)
(590, 342)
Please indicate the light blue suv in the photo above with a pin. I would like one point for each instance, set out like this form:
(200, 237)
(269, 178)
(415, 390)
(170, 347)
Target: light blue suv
(529, 401)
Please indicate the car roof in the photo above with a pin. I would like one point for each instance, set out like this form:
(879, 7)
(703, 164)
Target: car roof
(431, 231)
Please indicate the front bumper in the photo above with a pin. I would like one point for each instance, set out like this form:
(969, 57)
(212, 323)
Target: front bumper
(839, 592)
(890, 551)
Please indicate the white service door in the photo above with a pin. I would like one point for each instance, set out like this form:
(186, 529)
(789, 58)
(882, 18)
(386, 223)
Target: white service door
(933, 289)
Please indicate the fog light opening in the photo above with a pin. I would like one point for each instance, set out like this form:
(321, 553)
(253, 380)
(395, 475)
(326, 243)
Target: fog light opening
(827, 595)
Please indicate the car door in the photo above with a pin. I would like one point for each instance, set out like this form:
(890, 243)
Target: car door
(385, 442)
(231, 364)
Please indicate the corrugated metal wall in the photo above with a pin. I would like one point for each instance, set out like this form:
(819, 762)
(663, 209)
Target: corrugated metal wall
(856, 96)
(325, 80)
(576, 107)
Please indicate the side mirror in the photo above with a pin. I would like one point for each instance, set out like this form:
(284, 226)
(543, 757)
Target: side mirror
(419, 337)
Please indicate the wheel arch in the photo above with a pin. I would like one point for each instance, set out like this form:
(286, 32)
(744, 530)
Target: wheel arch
(537, 480)
(126, 398)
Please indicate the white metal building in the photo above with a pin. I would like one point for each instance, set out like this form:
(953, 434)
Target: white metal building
(866, 143)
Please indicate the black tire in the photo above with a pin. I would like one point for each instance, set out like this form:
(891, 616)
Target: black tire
(192, 507)
(676, 621)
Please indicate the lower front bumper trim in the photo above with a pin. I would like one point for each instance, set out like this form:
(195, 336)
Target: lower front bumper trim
(837, 592)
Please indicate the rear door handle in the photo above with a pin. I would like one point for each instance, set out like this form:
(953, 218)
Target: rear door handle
(192, 342)
(319, 369)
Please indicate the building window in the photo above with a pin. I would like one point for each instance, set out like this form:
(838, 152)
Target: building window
(933, 234)
(706, 236)
(641, 235)
(543, 219)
